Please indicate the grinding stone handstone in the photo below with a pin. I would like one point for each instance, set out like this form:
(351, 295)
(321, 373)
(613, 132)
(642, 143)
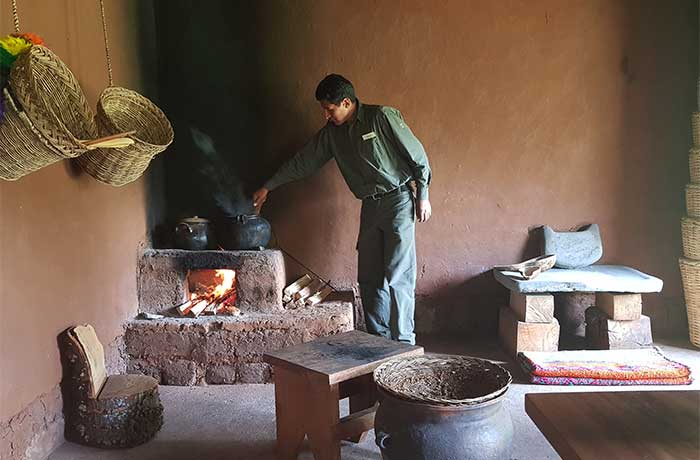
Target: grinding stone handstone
(574, 249)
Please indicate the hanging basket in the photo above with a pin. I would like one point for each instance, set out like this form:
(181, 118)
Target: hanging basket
(23, 148)
(118, 110)
(694, 164)
(692, 200)
(690, 273)
(47, 117)
(690, 229)
(447, 380)
(51, 96)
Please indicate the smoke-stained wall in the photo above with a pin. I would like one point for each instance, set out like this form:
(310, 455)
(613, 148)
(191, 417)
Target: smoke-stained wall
(532, 112)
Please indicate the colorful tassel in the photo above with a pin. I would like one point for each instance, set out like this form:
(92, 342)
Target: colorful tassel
(14, 45)
(34, 39)
(6, 59)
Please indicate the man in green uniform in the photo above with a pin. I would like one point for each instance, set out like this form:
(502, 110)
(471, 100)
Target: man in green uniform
(378, 156)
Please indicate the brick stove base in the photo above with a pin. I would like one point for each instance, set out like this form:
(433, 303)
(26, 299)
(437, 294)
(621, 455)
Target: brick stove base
(225, 349)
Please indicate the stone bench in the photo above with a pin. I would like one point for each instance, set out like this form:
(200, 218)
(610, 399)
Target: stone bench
(616, 322)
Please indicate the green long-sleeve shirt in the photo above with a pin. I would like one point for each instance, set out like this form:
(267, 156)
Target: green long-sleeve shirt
(376, 152)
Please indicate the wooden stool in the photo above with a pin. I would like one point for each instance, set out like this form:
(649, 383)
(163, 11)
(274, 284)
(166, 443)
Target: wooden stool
(312, 377)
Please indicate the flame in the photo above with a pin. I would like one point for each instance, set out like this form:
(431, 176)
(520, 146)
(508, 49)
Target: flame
(228, 277)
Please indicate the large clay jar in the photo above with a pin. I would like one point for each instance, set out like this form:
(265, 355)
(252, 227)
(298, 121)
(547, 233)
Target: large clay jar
(408, 428)
(248, 231)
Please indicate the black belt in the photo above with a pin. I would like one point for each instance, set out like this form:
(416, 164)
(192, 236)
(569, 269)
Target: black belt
(379, 196)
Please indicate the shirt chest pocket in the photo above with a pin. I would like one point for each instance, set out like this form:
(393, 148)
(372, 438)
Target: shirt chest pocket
(371, 148)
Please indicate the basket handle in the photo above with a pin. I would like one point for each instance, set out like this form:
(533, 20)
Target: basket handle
(115, 141)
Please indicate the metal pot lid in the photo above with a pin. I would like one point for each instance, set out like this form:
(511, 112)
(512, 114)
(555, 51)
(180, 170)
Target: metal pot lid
(195, 220)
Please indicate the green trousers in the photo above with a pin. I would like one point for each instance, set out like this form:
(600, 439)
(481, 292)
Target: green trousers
(386, 268)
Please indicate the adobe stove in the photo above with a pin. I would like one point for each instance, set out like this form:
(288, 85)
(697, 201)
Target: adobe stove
(222, 311)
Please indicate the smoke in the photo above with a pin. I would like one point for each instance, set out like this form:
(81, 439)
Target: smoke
(224, 184)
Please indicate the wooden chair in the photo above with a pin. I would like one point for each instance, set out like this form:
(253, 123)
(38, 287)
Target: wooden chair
(100, 410)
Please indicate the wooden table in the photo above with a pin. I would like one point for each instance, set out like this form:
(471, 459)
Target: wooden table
(648, 425)
(311, 378)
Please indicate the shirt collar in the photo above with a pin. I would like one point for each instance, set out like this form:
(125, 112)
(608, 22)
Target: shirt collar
(359, 111)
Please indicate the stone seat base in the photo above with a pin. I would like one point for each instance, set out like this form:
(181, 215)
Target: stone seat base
(226, 349)
(594, 278)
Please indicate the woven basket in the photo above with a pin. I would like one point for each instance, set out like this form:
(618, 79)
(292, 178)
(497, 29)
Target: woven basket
(52, 98)
(443, 380)
(690, 229)
(690, 273)
(23, 148)
(696, 129)
(120, 110)
(692, 199)
(694, 164)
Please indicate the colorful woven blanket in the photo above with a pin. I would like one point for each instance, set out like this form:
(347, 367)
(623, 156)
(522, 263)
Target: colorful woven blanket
(643, 366)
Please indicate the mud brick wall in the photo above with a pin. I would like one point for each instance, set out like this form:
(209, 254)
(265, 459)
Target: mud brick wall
(260, 277)
(226, 349)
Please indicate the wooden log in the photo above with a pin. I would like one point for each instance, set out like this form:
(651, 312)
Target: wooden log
(308, 290)
(298, 285)
(519, 336)
(199, 307)
(184, 308)
(620, 306)
(126, 413)
(532, 308)
(319, 296)
(603, 333)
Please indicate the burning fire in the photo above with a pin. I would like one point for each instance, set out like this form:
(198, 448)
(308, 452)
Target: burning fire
(210, 294)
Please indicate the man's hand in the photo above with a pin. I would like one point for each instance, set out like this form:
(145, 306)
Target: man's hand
(423, 210)
(259, 197)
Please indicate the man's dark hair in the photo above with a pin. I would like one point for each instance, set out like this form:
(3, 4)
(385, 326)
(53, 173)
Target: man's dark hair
(334, 88)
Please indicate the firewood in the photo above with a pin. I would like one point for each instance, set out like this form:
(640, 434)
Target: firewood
(309, 289)
(199, 307)
(184, 308)
(319, 296)
(298, 285)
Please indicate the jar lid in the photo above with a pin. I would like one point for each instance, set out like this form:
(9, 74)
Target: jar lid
(195, 220)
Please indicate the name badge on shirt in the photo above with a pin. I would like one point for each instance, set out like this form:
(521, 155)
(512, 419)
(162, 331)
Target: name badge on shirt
(369, 135)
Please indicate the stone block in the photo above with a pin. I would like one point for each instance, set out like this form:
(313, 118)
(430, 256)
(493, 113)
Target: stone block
(620, 306)
(519, 336)
(603, 333)
(163, 343)
(181, 372)
(536, 308)
(225, 374)
(254, 373)
(145, 367)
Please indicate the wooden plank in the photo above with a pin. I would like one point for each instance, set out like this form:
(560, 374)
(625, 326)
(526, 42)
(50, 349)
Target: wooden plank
(603, 333)
(533, 308)
(341, 357)
(519, 336)
(356, 423)
(620, 306)
(619, 425)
